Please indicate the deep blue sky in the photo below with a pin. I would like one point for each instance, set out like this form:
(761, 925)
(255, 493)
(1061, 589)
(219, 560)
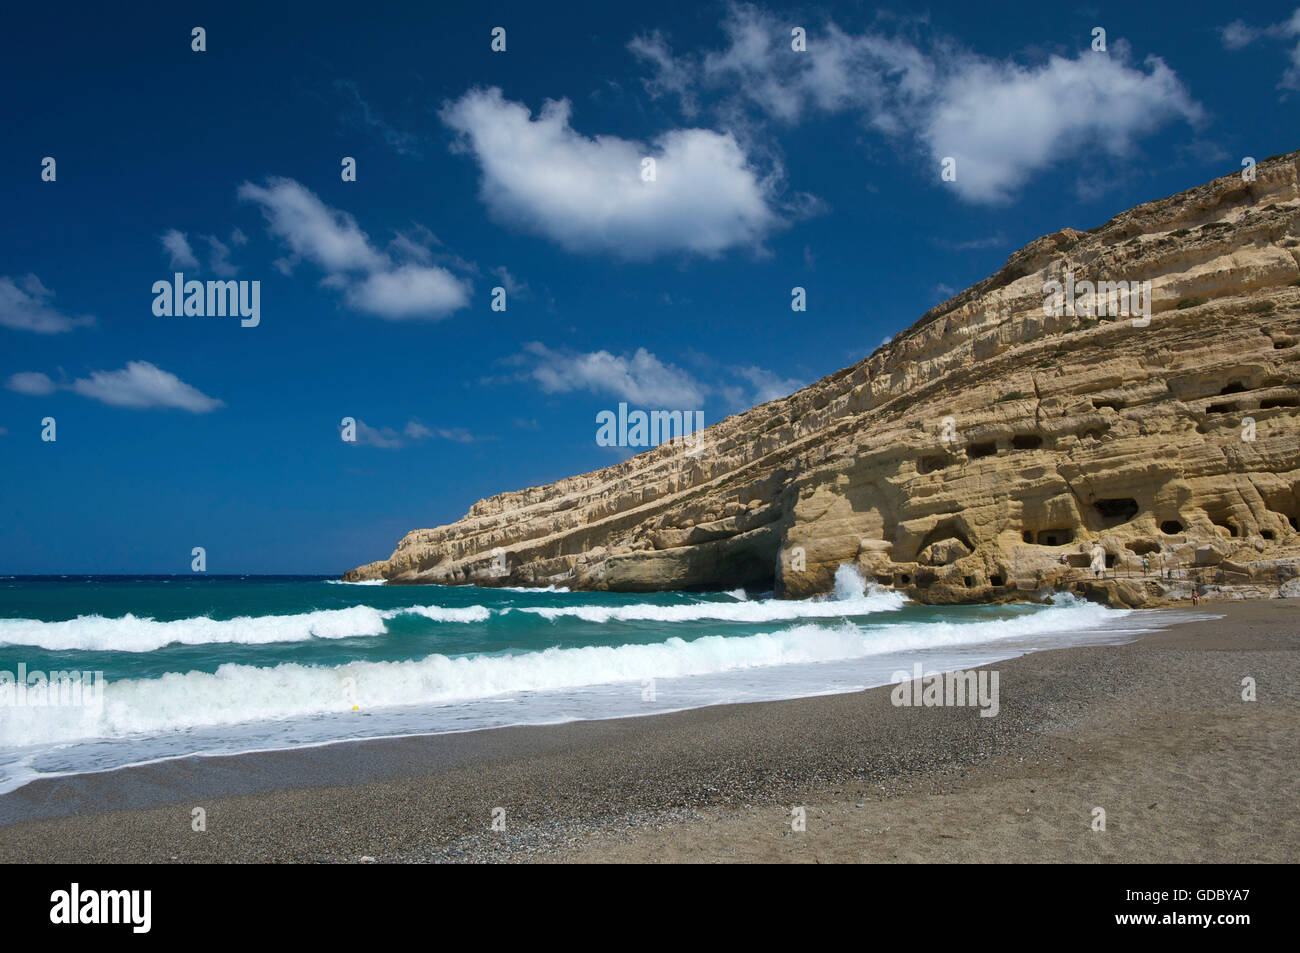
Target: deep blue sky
(828, 179)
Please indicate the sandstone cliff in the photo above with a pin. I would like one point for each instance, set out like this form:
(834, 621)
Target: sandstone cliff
(963, 460)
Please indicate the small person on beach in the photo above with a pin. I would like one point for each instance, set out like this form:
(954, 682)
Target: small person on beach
(1196, 595)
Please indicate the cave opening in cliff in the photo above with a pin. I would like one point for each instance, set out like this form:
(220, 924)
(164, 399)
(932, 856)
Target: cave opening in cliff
(1117, 510)
(1056, 537)
(1143, 547)
(977, 450)
(1272, 402)
(1171, 527)
(996, 580)
(1236, 387)
(1267, 534)
(1221, 408)
(1026, 441)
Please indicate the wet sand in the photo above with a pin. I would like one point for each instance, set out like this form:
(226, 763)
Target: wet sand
(1155, 733)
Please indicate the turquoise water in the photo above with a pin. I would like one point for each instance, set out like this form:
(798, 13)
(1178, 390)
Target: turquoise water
(209, 664)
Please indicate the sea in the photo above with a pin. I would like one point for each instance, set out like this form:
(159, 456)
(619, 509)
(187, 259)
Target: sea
(202, 665)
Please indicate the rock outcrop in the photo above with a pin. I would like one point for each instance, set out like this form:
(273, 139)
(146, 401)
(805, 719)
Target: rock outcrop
(989, 452)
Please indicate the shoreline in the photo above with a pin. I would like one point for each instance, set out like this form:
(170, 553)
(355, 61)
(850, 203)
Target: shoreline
(717, 783)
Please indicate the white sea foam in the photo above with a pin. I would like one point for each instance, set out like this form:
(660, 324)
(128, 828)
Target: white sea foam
(852, 597)
(444, 614)
(130, 633)
(241, 693)
(361, 582)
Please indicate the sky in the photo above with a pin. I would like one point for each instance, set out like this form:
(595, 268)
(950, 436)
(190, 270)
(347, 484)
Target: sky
(522, 169)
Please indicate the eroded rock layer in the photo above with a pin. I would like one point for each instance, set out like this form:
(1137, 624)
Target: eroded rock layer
(984, 453)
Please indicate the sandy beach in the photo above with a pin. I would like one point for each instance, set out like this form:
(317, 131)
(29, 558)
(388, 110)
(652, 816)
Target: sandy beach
(1155, 733)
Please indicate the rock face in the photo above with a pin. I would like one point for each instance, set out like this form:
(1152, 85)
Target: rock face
(989, 452)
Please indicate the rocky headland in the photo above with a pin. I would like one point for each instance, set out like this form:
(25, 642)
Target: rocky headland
(992, 451)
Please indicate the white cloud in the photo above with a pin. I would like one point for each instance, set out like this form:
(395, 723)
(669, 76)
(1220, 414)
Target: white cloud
(387, 438)
(644, 380)
(514, 287)
(1002, 121)
(219, 257)
(327, 237)
(31, 383)
(177, 246)
(456, 434)
(587, 192)
(409, 291)
(181, 255)
(141, 385)
(384, 437)
(26, 308)
(1238, 35)
(641, 379)
(766, 384)
(368, 278)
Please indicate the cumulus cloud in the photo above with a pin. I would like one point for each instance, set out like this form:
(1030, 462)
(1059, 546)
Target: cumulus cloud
(644, 380)
(369, 278)
(313, 231)
(182, 257)
(767, 385)
(139, 385)
(32, 383)
(514, 287)
(1002, 121)
(587, 193)
(409, 291)
(219, 256)
(1238, 35)
(24, 306)
(177, 245)
(640, 379)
